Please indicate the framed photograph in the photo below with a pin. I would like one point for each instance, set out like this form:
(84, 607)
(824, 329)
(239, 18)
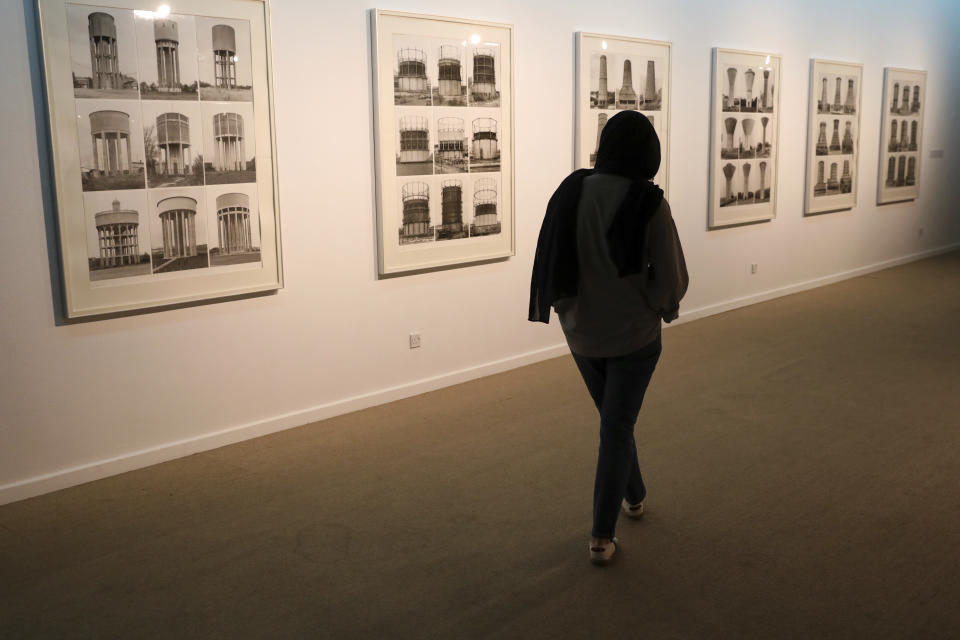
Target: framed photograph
(901, 135)
(833, 136)
(616, 73)
(744, 137)
(444, 140)
(163, 148)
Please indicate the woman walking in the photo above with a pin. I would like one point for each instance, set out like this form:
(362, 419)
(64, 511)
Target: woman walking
(609, 261)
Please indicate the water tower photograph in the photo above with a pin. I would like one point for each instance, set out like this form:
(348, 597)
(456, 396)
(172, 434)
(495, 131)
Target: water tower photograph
(103, 52)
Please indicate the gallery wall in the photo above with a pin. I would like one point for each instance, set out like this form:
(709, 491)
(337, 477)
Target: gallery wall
(83, 400)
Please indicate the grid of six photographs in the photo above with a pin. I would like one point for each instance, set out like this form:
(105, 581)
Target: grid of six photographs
(165, 132)
(448, 147)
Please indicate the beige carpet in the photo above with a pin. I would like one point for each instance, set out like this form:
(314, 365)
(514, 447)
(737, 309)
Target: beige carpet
(802, 458)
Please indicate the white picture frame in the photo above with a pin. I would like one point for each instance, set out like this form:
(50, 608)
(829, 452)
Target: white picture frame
(743, 156)
(443, 96)
(833, 136)
(103, 73)
(637, 74)
(901, 135)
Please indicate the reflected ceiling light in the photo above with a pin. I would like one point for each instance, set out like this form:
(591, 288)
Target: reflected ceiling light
(603, 45)
(463, 44)
(163, 11)
(768, 60)
(475, 38)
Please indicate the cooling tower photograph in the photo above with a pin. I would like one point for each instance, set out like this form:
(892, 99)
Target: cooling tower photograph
(178, 230)
(414, 141)
(483, 74)
(233, 220)
(837, 93)
(167, 57)
(451, 148)
(172, 143)
(224, 59)
(450, 83)
(414, 68)
(118, 235)
(229, 144)
(110, 137)
(103, 52)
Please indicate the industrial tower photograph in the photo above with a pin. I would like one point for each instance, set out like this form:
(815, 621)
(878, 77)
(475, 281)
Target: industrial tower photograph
(118, 234)
(450, 87)
(483, 78)
(178, 233)
(110, 141)
(414, 150)
(233, 218)
(167, 54)
(172, 143)
(451, 151)
(229, 143)
(413, 69)
(224, 60)
(103, 52)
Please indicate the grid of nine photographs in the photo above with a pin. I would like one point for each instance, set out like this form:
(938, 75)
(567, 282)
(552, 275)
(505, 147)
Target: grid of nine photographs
(835, 134)
(448, 140)
(164, 112)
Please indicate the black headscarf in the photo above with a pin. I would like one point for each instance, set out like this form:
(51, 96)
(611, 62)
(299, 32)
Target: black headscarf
(629, 147)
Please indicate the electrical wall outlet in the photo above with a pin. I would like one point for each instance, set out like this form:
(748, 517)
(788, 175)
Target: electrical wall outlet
(753, 267)
(414, 340)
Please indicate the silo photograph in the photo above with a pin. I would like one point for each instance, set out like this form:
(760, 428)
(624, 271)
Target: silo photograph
(451, 147)
(484, 134)
(602, 87)
(110, 141)
(414, 155)
(483, 74)
(417, 202)
(414, 69)
(233, 220)
(450, 84)
(118, 234)
(178, 229)
(172, 143)
(167, 54)
(229, 144)
(224, 59)
(484, 203)
(103, 52)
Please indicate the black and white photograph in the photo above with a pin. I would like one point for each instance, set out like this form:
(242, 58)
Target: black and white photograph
(167, 54)
(414, 69)
(118, 234)
(748, 88)
(178, 230)
(483, 75)
(901, 135)
(224, 59)
(233, 221)
(229, 147)
(618, 73)
(450, 83)
(485, 220)
(173, 143)
(103, 52)
(838, 93)
(454, 193)
(451, 147)
(625, 81)
(484, 134)
(415, 141)
(745, 135)
(416, 206)
(833, 137)
(110, 137)
(444, 118)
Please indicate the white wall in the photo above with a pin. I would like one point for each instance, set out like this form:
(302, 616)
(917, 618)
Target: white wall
(79, 401)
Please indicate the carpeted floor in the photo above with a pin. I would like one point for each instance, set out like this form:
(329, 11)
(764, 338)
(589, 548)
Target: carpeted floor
(802, 458)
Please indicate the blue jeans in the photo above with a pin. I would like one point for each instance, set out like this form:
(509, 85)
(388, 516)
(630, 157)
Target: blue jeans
(617, 386)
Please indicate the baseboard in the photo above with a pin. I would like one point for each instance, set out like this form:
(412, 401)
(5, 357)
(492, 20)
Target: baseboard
(73, 476)
(689, 315)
